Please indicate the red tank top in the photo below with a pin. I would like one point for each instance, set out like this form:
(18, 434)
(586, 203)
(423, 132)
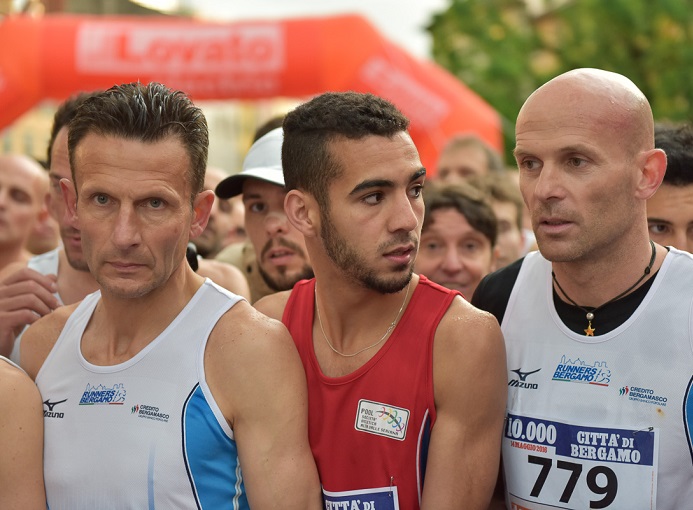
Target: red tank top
(369, 430)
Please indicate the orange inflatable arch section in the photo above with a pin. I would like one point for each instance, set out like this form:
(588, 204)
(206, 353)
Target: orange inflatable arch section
(54, 56)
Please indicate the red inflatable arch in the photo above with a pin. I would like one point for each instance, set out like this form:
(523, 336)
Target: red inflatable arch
(57, 55)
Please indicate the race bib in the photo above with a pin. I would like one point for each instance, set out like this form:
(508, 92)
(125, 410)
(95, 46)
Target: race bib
(383, 498)
(551, 465)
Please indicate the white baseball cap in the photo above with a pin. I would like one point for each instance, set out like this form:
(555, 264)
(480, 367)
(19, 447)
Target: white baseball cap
(263, 162)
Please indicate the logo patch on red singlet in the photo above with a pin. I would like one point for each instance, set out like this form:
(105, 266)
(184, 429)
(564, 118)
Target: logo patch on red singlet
(382, 419)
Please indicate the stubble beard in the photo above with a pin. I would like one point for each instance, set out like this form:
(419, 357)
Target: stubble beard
(76, 263)
(354, 266)
(285, 279)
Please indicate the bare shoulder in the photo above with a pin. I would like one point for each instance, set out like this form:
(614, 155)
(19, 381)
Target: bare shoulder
(469, 331)
(20, 402)
(246, 335)
(250, 356)
(16, 389)
(462, 313)
(19, 396)
(225, 275)
(274, 304)
(40, 337)
(243, 318)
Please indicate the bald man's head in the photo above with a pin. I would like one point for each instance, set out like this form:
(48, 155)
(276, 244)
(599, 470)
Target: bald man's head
(45, 234)
(589, 96)
(584, 144)
(21, 199)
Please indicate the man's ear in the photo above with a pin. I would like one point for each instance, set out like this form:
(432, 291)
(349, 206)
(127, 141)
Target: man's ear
(70, 198)
(652, 173)
(302, 211)
(202, 208)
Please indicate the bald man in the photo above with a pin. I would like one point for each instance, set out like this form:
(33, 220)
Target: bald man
(598, 322)
(45, 236)
(21, 199)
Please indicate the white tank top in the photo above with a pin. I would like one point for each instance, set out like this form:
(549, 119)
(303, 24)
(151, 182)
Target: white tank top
(146, 433)
(3, 358)
(46, 263)
(600, 422)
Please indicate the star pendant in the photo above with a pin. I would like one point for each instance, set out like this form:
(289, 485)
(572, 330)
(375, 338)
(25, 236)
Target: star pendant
(590, 330)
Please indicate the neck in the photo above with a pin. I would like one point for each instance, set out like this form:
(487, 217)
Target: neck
(148, 316)
(594, 283)
(12, 254)
(360, 316)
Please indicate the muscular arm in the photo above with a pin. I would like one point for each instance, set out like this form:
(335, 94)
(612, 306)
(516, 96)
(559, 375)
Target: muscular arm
(469, 378)
(21, 441)
(25, 296)
(254, 372)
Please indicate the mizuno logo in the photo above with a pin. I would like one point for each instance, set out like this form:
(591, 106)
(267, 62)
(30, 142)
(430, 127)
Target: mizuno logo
(523, 375)
(51, 405)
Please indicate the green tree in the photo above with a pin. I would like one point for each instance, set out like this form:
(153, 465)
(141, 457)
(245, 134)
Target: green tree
(504, 50)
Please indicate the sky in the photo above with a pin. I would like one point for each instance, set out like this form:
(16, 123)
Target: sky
(401, 21)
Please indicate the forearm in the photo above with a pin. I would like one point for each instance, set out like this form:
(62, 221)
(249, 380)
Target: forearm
(461, 475)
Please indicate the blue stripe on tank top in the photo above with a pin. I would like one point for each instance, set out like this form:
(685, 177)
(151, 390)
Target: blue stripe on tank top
(211, 457)
(423, 457)
(150, 478)
(688, 415)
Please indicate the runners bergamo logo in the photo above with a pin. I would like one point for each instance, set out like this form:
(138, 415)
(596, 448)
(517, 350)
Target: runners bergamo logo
(580, 371)
(103, 395)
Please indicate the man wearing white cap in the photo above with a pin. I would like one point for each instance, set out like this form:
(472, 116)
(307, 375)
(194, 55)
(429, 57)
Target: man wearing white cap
(280, 258)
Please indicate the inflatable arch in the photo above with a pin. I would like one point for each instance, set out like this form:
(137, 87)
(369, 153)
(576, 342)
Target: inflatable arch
(53, 56)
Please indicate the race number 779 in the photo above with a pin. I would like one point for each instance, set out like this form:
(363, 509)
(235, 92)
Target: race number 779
(606, 484)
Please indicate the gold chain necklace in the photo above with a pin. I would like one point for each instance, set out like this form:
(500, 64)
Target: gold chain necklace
(590, 313)
(387, 332)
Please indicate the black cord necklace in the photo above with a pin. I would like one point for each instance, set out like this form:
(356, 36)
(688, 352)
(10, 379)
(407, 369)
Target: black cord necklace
(590, 312)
